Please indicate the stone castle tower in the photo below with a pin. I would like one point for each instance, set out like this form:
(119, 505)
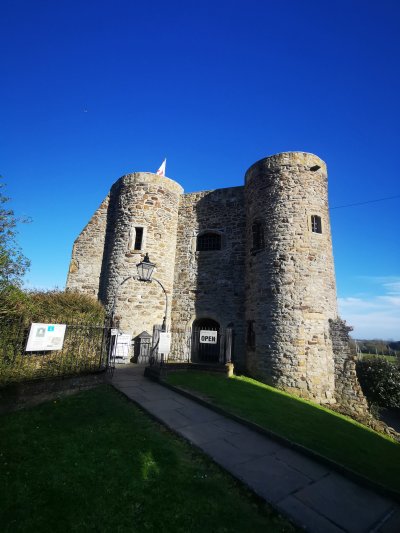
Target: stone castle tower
(254, 263)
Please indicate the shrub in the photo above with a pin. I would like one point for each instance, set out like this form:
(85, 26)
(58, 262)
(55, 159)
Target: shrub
(83, 349)
(65, 306)
(380, 381)
(53, 306)
(13, 300)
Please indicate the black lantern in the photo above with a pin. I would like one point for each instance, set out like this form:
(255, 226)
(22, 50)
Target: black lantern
(145, 269)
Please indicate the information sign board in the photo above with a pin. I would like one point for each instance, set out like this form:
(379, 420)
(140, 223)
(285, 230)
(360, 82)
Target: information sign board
(44, 337)
(208, 337)
(164, 343)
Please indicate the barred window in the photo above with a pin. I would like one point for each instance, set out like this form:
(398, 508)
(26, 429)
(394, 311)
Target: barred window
(258, 236)
(316, 225)
(208, 241)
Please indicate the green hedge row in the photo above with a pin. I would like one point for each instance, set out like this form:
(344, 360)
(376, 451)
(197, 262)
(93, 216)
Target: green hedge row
(380, 381)
(83, 349)
(55, 305)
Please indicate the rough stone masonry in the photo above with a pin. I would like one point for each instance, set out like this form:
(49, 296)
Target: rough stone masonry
(254, 263)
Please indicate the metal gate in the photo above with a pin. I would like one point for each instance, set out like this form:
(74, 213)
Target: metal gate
(203, 352)
(186, 346)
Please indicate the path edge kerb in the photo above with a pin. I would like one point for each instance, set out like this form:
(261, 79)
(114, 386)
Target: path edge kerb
(350, 474)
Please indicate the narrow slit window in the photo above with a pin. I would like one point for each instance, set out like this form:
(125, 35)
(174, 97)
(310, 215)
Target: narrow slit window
(208, 241)
(251, 335)
(316, 225)
(138, 238)
(258, 236)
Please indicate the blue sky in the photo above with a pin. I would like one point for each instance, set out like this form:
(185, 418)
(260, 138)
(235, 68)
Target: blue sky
(94, 89)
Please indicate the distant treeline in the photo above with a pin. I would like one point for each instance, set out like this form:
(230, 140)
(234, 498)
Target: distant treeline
(378, 346)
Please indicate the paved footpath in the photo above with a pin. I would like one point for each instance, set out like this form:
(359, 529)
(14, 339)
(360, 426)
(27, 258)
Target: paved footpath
(309, 493)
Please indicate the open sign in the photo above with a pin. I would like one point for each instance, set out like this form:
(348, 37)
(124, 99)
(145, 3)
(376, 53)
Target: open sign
(208, 337)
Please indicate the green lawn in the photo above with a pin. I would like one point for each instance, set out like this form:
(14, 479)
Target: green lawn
(390, 358)
(94, 462)
(328, 433)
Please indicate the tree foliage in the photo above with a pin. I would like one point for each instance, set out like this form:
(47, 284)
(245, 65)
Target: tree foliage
(378, 346)
(13, 263)
(380, 382)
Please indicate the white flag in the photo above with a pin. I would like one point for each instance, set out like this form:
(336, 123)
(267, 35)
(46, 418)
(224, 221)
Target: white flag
(161, 170)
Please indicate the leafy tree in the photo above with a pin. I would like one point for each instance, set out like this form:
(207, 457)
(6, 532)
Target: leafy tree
(13, 264)
(380, 382)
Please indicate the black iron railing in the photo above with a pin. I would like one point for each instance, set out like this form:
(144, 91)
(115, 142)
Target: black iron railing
(86, 349)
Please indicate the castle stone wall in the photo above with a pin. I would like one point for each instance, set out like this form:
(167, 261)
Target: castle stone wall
(272, 282)
(290, 282)
(150, 202)
(348, 391)
(210, 284)
(87, 254)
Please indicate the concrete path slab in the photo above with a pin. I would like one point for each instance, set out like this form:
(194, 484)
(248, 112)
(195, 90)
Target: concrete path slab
(303, 464)
(250, 442)
(270, 478)
(307, 517)
(346, 504)
(392, 525)
(197, 413)
(225, 453)
(309, 493)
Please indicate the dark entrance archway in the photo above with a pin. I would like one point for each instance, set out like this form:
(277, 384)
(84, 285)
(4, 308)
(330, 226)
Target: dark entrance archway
(205, 352)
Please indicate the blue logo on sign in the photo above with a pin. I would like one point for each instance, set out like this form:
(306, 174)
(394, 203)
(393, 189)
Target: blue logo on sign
(50, 328)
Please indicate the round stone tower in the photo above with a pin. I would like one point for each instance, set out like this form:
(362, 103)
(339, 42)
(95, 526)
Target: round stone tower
(290, 280)
(143, 219)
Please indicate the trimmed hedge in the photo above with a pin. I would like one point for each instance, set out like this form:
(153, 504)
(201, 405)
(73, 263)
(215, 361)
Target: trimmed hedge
(83, 349)
(55, 306)
(380, 381)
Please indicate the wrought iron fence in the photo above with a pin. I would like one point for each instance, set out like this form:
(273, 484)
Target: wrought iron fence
(86, 349)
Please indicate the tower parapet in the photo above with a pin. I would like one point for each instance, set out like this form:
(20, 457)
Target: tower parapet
(290, 281)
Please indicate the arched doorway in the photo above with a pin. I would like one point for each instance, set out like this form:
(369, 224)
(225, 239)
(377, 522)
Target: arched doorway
(204, 347)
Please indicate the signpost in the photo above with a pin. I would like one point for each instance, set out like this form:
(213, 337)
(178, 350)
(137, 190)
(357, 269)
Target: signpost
(208, 337)
(45, 337)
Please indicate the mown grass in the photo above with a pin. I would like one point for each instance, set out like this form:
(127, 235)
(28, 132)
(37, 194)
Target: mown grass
(94, 462)
(328, 433)
(390, 358)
